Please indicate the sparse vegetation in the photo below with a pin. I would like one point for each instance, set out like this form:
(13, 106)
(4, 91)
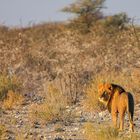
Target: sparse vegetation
(58, 69)
(2, 131)
(9, 88)
(54, 107)
(102, 132)
(8, 83)
(72, 62)
(12, 99)
(91, 101)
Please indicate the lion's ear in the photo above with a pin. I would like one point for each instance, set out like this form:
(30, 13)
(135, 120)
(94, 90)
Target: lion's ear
(100, 86)
(109, 87)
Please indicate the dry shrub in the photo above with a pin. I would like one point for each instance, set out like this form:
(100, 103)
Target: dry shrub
(53, 108)
(13, 99)
(2, 131)
(91, 101)
(8, 83)
(70, 87)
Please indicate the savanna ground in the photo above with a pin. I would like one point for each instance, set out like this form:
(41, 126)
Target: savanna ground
(49, 75)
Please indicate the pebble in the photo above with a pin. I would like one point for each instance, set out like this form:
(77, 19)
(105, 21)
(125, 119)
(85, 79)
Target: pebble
(57, 130)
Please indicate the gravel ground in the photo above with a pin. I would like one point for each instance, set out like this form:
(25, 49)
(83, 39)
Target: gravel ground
(19, 125)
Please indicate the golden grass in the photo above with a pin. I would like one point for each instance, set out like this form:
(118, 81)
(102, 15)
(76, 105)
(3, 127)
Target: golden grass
(103, 132)
(13, 99)
(53, 108)
(2, 131)
(99, 132)
(46, 47)
(8, 83)
(91, 102)
(20, 136)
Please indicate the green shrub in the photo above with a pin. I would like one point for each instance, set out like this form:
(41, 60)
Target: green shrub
(118, 20)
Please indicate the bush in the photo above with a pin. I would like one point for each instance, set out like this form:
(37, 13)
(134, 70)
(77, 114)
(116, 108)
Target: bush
(2, 132)
(92, 96)
(54, 107)
(8, 83)
(12, 100)
(118, 21)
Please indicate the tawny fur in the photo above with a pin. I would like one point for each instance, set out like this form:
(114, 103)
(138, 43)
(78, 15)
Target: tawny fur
(117, 101)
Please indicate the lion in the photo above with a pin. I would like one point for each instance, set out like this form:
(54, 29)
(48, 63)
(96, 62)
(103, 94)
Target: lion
(117, 100)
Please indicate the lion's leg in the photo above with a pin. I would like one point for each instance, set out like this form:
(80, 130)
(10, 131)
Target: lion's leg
(131, 126)
(131, 122)
(121, 120)
(114, 119)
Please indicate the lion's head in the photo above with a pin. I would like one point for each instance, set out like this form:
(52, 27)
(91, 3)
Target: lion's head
(105, 92)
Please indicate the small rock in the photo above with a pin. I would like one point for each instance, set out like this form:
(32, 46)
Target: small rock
(58, 138)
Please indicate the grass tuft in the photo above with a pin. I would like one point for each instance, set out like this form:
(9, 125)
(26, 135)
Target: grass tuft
(13, 99)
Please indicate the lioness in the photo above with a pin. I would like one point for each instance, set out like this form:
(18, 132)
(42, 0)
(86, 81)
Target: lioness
(117, 101)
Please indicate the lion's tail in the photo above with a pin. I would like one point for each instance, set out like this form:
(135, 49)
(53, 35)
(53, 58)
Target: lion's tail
(130, 110)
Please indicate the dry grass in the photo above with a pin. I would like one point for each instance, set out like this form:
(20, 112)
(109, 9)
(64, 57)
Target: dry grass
(2, 131)
(8, 83)
(102, 132)
(91, 101)
(54, 53)
(41, 52)
(9, 88)
(53, 109)
(12, 99)
(20, 136)
(37, 53)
